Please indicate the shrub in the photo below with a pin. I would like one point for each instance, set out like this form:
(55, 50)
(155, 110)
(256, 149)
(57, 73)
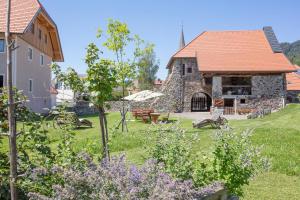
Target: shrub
(116, 180)
(234, 159)
(172, 147)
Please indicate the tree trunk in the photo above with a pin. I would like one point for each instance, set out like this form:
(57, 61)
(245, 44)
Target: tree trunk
(11, 113)
(106, 134)
(123, 106)
(102, 130)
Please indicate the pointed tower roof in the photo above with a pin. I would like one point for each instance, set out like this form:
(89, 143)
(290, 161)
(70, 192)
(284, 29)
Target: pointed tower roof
(181, 42)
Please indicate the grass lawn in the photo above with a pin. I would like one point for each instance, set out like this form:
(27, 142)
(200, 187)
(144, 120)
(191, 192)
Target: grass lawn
(279, 133)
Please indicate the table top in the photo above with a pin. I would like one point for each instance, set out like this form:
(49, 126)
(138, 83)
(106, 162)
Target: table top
(154, 113)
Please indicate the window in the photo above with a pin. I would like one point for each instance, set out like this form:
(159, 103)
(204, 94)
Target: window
(242, 101)
(189, 70)
(2, 46)
(46, 39)
(30, 53)
(32, 28)
(42, 59)
(237, 85)
(30, 85)
(183, 69)
(208, 80)
(40, 34)
(1, 81)
(228, 102)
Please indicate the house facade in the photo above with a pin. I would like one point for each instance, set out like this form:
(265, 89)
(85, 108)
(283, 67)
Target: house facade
(37, 43)
(236, 71)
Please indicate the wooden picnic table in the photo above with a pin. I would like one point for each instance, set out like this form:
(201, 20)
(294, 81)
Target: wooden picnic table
(154, 117)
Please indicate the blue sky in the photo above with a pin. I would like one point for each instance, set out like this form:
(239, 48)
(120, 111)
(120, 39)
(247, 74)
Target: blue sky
(159, 21)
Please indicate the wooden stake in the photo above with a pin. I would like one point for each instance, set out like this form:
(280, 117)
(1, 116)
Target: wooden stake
(11, 106)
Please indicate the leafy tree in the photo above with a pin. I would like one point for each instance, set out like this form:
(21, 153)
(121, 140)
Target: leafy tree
(119, 40)
(99, 84)
(147, 67)
(100, 81)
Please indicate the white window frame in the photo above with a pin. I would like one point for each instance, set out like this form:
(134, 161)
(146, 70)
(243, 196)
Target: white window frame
(30, 91)
(42, 59)
(28, 57)
(4, 45)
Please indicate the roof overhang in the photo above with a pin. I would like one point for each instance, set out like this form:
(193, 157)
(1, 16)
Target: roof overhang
(43, 17)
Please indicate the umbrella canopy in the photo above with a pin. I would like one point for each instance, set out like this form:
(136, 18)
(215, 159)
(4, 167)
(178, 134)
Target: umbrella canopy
(143, 95)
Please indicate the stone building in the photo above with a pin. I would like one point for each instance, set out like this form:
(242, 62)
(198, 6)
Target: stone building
(237, 71)
(293, 86)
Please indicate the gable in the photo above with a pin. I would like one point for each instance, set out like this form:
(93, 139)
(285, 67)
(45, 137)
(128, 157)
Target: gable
(23, 14)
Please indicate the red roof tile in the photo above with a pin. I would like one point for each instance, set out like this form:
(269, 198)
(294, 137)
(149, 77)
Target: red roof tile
(22, 12)
(293, 81)
(234, 51)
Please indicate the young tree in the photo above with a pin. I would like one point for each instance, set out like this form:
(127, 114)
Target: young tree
(118, 41)
(100, 81)
(99, 84)
(147, 67)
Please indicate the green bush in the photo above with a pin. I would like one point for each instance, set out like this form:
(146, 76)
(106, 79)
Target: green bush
(234, 160)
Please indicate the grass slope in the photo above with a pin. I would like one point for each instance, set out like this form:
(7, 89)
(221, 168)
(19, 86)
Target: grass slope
(279, 133)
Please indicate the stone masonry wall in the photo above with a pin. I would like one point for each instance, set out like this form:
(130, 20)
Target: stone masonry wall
(193, 83)
(268, 86)
(172, 90)
(268, 91)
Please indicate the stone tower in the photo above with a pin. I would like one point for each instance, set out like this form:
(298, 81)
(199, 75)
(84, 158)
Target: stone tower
(173, 87)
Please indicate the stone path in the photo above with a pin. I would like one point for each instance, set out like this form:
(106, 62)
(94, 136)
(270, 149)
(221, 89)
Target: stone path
(199, 116)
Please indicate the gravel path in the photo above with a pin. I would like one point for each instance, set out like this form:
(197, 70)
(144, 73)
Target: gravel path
(199, 116)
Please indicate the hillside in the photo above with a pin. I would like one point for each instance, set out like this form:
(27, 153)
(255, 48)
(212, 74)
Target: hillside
(292, 51)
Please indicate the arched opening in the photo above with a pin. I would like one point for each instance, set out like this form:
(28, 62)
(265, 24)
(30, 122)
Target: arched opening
(201, 102)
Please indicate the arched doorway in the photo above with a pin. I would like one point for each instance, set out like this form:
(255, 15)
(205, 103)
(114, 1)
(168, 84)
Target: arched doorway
(201, 102)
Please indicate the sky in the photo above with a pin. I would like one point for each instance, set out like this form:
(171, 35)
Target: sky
(159, 22)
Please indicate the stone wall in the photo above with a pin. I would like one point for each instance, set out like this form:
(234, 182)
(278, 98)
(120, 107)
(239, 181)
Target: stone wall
(268, 86)
(172, 90)
(268, 91)
(217, 87)
(116, 106)
(85, 108)
(293, 96)
(191, 88)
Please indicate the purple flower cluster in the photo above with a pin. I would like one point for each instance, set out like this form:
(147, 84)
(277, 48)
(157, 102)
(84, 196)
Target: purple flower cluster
(115, 179)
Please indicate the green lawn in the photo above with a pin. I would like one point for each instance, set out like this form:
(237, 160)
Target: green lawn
(279, 133)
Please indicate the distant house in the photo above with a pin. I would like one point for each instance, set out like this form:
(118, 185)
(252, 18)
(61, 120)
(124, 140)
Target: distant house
(234, 71)
(293, 86)
(36, 36)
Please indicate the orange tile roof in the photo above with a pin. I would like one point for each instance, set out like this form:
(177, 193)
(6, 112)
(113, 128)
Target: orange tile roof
(22, 12)
(293, 81)
(234, 51)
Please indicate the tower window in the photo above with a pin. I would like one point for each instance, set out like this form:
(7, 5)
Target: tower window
(183, 69)
(189, 70)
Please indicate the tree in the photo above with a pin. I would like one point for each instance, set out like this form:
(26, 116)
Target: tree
(147, 67)
(119, 41)
(99, 84)
(100, 81)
